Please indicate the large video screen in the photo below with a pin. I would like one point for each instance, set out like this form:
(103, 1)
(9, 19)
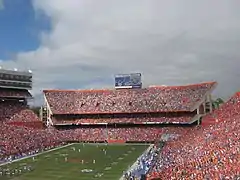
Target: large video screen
(128, 80)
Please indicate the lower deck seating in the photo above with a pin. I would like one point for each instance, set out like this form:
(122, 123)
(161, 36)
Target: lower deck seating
(205, 152)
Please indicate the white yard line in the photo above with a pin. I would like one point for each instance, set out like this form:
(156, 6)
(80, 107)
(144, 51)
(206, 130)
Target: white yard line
(135, 163)
(44, 152)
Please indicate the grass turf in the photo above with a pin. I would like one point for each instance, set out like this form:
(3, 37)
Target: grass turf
(70, 164)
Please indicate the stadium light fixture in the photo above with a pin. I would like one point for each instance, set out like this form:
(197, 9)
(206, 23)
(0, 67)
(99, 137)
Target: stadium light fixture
(30, 71)
(15, 69)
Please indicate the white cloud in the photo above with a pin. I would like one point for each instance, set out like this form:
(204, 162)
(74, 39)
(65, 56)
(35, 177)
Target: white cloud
(1, 4)
(170, 42)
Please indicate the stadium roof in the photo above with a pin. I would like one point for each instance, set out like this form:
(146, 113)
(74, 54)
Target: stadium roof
(108, 90)
(156, 99)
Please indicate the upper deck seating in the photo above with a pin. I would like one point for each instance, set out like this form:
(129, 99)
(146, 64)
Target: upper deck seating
(152, 99)
(14, 93)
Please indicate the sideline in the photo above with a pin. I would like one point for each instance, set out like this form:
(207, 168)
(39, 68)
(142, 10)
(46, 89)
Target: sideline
(134, 165)
(44, 152)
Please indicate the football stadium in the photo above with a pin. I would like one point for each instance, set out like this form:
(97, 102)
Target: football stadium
(127, 132)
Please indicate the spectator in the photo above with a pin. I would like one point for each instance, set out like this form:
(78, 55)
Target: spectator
(206, 152)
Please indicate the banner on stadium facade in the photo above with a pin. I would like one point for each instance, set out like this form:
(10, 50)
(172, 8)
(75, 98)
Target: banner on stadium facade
(118, 141)
(127, 81)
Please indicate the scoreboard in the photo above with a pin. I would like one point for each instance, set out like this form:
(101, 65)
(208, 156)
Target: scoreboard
(15, 79)
(123, 81)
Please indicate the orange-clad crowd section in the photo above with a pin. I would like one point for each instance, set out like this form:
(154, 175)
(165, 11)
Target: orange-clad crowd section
(152, 99)
(209, 152)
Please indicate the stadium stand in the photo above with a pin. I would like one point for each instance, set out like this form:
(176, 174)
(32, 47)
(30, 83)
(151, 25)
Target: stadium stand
(21, 130)
(210, 151)
(26, 118)
(9, 92)
(152, 99)
(154, 104)
(93, 134)
(144, 164)
(126, 118)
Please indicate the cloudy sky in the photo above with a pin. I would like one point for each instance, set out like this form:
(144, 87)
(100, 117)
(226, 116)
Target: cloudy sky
(83, 43)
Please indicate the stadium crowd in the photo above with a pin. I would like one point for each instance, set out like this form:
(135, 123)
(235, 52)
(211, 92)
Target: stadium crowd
(204, 152)
(21, 131)
(8, 108)
(136, 120)
(20, 141)
(152, 99)
(104, 134)
(21, 135)
(143, 164)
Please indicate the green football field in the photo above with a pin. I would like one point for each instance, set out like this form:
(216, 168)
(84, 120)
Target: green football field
(76, 162)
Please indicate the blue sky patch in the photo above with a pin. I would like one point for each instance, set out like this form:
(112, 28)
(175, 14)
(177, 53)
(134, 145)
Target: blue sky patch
(20, 28)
